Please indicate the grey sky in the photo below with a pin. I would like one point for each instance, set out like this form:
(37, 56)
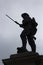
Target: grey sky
(10, 32)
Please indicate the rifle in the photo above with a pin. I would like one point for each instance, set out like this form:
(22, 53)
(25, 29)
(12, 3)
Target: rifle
(12, 19)
(17, 23)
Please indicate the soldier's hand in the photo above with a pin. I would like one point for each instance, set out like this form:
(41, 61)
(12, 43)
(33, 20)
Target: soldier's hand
(21, 25)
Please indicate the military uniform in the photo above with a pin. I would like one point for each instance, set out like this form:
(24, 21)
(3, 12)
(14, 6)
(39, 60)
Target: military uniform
(28, 32)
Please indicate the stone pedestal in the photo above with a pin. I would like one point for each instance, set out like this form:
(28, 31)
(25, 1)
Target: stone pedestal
(26, 58)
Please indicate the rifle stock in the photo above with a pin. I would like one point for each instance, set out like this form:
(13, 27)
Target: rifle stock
(12, 19)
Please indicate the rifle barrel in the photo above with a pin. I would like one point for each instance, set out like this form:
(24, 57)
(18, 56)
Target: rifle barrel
(12, 19)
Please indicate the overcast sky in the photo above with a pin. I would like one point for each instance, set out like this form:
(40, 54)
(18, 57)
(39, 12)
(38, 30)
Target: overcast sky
(10, 32)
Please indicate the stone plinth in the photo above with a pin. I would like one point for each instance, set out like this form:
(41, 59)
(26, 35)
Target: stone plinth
(27, 58)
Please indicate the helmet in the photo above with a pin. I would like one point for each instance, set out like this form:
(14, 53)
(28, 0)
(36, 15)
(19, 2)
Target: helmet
(25, 15)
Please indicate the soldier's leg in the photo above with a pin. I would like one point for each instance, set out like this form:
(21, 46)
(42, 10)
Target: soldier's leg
(32, 44)
(23, 38)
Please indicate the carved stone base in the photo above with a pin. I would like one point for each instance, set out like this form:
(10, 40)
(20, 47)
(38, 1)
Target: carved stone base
(26, 58)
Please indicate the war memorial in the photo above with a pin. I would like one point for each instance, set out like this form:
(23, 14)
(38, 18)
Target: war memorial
(23, 56)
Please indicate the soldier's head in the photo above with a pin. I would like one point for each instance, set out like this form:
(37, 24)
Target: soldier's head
(25, 15)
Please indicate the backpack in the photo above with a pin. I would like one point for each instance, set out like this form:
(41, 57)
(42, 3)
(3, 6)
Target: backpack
(34, 25)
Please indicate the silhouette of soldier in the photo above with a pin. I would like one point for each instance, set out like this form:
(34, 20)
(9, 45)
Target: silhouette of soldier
(29, 25)
(29, 30)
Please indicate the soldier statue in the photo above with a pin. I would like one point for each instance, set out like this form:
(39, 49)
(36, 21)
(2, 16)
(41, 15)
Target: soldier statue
(29, 30)
(29, 26)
